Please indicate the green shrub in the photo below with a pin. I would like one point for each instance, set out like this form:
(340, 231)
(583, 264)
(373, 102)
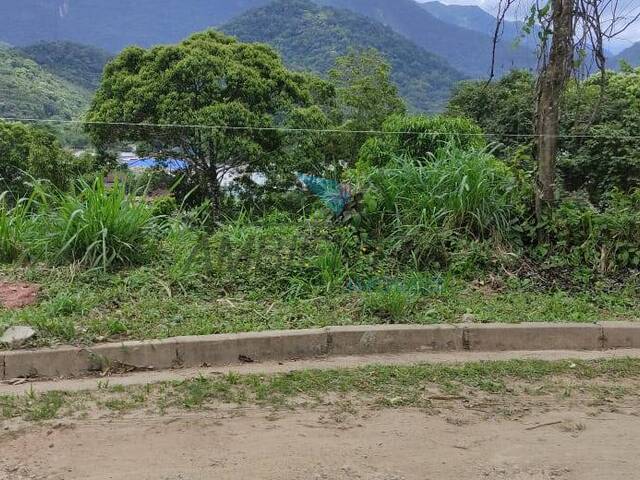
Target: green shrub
(30, 153)
(605, 239)
(420, 137)
(392, 304)
(280, 256)
(423, 209)
(165, 206)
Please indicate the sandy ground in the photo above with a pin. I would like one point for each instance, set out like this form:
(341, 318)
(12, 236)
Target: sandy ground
(308, 445)
(519, 436)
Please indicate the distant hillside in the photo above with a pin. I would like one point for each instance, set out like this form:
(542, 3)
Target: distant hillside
(311, 37)
(78, 64)
(29, 90)
(473, 18)
(631, 55)
(467, 50)
(113, 24)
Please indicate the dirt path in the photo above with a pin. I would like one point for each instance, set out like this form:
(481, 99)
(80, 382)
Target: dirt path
(308, 445)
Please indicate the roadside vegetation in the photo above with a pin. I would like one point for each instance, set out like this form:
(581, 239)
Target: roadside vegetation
(492, 388)
(431, 220)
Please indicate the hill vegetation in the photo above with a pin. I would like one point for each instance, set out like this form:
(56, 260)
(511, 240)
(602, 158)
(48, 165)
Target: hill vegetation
(28, 90)
(467, 50)
(79, 64)
(115, 24)
(311, 38)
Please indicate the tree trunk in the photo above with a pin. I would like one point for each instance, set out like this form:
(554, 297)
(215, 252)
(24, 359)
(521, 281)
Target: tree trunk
(551, 83)
(214, 191)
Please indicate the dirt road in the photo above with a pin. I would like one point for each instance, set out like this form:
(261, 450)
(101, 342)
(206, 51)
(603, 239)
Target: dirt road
(394, 444)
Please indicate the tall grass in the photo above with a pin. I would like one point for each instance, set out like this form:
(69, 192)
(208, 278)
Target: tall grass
(16, 227)
(93, 225)
(99, 227)
(455, 194)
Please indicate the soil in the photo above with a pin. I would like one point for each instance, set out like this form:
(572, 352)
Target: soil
(574, 431)
(18, 295)
(516, 436)
(400, 444)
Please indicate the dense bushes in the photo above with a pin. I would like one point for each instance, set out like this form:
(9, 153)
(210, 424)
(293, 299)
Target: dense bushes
(599, 127)
(419, 137)
(421, 209)
(604, 239)
(29, 153)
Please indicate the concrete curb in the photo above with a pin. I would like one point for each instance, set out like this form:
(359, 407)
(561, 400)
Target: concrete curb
(219, 350)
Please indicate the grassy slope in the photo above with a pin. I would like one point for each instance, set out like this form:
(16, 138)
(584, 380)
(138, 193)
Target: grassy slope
(310, 37)
(28, 90)
(85, 307)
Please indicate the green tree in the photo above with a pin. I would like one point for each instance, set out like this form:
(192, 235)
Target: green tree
(419, 137)
(366, 97)
(598, 149)
(366, 94)
(504, 108)
(237, 93)
(28, 153)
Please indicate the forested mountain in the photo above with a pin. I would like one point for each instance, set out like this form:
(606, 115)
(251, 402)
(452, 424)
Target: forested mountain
(467, 50)
(29, 90)
(311, 37)
(631, 55)
(113, 24)
(79, 64)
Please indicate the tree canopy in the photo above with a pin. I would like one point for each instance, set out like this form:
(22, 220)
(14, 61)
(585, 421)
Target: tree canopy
(30, 153)
(599, 145)
(228, 96)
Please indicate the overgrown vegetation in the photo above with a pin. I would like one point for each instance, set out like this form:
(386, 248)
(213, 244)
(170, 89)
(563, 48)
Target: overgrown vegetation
(282, 217)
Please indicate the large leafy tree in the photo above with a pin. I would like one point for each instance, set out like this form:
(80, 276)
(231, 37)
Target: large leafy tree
(211, 100)
(365, 91)
(366, 97)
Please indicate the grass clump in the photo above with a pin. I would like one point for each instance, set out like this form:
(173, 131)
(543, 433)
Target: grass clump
(92, 225)
(421, 209)
(99, 227)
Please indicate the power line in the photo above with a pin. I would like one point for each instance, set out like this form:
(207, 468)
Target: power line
(309, 130)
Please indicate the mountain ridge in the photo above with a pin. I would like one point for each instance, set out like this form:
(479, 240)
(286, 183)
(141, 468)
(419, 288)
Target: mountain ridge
(311, 37)
(115, 24)
(630, 55)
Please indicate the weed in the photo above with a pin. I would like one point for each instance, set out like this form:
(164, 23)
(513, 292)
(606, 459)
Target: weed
(385, 386)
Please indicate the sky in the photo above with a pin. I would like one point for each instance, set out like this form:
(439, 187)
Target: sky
(627, 39)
